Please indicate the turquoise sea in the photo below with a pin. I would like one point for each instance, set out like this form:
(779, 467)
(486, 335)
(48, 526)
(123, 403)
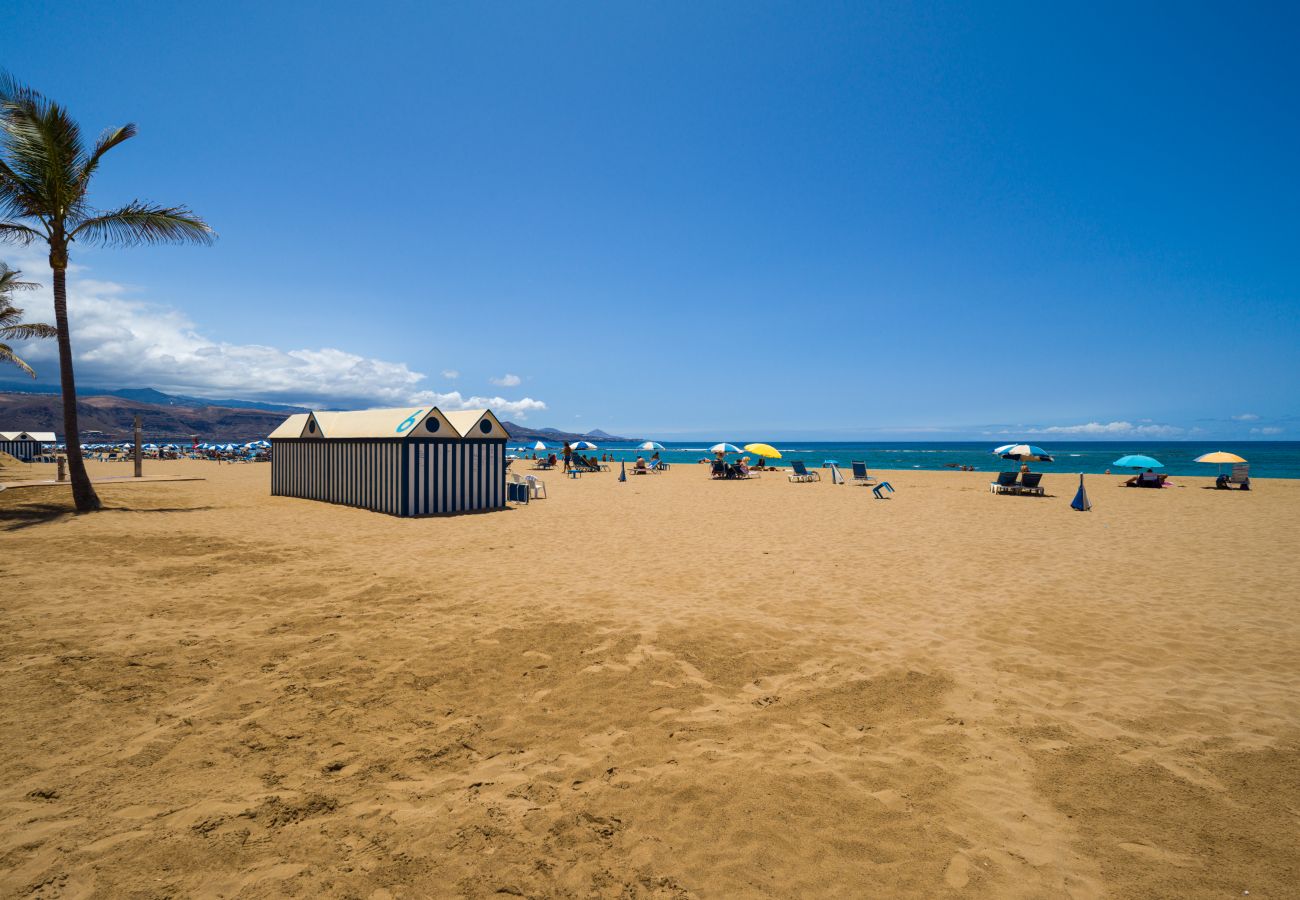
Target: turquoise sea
(1268, 459)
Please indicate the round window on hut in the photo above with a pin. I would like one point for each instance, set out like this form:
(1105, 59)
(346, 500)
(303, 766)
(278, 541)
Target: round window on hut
(432, 424)
(485, 426)
(311, 426)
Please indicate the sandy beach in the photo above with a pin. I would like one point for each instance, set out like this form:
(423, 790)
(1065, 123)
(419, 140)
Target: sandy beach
(666, 688)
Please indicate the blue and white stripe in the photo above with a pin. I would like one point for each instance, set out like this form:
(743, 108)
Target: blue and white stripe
(23, 451)
(397, 477)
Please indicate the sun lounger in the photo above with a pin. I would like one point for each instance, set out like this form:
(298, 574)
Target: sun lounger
(1147, 480)
(883, 486)
(1006, 484)
(860, 475)
(657, 465)
(1029, 483)
(800, 473)
(1240, 475)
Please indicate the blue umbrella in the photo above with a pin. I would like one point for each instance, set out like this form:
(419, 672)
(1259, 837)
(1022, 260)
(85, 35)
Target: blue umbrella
(651, 445)
(1138, 461)
(584, 445)
(725, 448)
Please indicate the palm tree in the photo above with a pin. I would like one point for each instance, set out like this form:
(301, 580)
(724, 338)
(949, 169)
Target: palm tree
(45, 172)
(12, 328)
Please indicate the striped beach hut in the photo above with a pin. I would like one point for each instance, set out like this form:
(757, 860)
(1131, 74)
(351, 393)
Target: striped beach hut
(25, 445)
(409, 461)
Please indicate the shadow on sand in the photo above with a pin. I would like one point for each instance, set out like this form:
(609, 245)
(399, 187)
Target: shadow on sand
(25, 514)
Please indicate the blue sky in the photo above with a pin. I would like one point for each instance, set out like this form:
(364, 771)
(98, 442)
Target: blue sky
(764, 220)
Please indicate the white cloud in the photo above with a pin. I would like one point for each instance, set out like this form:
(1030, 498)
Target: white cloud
(123, 342)
(1114, 429)
(519, 409)
(1267, 429)
(507, 380)
(450, 374)
(1245, 417)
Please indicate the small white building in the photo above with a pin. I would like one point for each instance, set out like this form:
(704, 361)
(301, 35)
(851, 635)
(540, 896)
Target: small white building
(25, 445)
(409, 461)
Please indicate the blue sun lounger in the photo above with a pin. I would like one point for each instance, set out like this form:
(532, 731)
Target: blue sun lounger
(800, 472)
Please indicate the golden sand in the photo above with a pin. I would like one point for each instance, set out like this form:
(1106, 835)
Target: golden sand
(666, 688)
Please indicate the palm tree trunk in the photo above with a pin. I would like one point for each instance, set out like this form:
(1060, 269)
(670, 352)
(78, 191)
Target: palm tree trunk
(83, 492)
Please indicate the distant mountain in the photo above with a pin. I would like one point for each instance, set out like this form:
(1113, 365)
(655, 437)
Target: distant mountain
(147, 395)
(110, 418)
(523, 432)
(108, 415)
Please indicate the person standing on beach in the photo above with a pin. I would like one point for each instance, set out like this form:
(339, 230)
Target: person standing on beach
(568, 454)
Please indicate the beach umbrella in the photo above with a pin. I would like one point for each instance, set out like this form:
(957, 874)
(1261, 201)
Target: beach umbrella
(1080, 501)
(1023, 453)
(1220, 458)
(584, 445)
(622, 471)
(724, 448)
(539, 446)
(1138, 461)
(767, 451)
(650, 445)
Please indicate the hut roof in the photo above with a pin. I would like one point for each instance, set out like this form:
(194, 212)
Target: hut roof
(467, 421)
(45, 437)
(402, 421)
(291, 427)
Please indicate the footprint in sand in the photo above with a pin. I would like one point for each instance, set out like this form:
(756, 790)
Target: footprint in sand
(1181, 860)
(957, 873)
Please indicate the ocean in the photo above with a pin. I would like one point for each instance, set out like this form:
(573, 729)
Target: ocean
(1268, 459)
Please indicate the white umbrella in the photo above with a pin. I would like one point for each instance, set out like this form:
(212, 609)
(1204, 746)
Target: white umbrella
(651, 445)
(725, 448)
(539, 446)
(584, 445)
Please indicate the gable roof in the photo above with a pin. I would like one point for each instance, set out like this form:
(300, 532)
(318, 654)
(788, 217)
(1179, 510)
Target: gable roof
(45, 437)
(394, 422)
(291, 427)
(466, 422)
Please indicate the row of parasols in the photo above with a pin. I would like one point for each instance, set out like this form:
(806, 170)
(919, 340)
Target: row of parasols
(252, 446)
(1031, 453)
(766, 451)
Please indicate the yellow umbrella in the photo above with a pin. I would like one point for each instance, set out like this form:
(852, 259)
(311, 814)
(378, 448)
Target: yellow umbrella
(1220, 456)
(767, 451)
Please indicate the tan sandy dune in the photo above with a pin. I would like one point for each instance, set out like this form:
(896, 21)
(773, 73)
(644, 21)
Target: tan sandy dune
(666, 688)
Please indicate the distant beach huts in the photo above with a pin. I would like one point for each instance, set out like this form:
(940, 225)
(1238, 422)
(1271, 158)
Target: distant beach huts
(410, 461)
(25, 445)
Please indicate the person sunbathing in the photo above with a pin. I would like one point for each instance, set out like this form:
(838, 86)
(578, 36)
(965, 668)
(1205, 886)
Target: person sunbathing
(639, 468)
(1143, 479)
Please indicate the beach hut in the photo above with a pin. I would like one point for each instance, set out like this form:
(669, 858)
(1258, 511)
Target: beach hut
(409, 461)
(25, 445)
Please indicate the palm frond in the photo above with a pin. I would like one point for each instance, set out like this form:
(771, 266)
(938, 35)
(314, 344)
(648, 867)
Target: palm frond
(28, 331)
(7, 355)
(107, 141)
(10, 281)
(18, 233)
(144, 223)
(16, 196)
(43, 150)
